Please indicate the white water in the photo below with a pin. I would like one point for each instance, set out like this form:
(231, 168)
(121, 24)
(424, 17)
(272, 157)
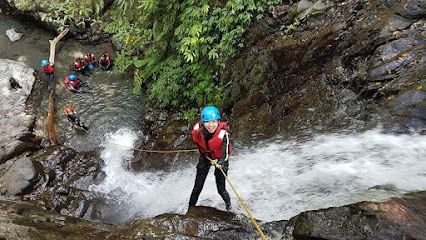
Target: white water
(277, 180)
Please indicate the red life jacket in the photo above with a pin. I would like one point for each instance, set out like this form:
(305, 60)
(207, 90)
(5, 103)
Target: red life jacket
(89, 57)
(79, 63)
(48, 69)
(213, 149)
(73, 83)
(105, 58)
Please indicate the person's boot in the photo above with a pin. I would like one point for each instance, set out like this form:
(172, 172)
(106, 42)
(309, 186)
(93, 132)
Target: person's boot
(228, 207)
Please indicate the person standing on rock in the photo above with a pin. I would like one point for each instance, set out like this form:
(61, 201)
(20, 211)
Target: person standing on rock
(212, 139)
(49, 71)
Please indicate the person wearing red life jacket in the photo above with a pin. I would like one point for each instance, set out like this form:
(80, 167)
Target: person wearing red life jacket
(105, 61)
(212, 139)
(79, 65)
(49, 71)
(90, 59)
(73, 83)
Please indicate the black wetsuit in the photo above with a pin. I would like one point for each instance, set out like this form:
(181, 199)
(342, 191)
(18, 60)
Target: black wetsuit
(75, 120)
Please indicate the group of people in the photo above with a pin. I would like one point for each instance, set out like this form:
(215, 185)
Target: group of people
(72, 82)
(88, 62)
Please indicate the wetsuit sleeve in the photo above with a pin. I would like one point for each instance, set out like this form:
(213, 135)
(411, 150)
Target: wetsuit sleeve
(226, 148)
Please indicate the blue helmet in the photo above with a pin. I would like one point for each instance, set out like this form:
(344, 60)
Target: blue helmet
(72, 77)
(45, 63)
(209, 113)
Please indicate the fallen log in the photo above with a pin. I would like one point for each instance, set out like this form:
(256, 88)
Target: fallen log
(50, 124)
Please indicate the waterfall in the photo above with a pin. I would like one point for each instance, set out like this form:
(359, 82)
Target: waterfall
(276, 180)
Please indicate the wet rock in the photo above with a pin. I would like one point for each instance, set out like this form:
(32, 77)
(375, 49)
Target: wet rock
(406, 101)
(416, 124)
(419, 113)
(303, 5)
(396, 22)
(318, 6)
(26, 222)
(16, 124)
(414, 9)
(18, 175)
(198, 222)
(13, 35)
(393, 57)
(399, 218)
(163, 131)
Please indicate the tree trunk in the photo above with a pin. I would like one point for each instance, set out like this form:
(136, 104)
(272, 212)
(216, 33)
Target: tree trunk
(50, 124)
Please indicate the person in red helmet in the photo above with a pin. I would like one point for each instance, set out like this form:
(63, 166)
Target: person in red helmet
(105, 61)
(212, 139)
(49, 71)
(74, 119)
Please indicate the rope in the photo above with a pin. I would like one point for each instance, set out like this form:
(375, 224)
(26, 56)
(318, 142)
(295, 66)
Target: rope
(239, 198)
(144, 150)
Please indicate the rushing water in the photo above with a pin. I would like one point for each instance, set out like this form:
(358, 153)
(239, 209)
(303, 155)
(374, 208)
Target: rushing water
(276, 180)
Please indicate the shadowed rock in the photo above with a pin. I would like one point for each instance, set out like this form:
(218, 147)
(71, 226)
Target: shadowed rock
(399, 218)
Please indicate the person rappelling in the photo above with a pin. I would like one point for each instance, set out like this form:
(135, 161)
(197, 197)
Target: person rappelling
(74, 119)
(212, 139)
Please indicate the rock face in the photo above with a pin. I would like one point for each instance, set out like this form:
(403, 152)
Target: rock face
(340, 68)
(16, 124)
(17, 172)
(399, 218)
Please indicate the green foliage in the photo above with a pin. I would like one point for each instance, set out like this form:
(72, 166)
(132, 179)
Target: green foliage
(24, 5)
(289, 29)
(176, 48)
(80, 13)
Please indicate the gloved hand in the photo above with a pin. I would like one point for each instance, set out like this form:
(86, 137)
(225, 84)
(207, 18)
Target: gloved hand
(214, 162)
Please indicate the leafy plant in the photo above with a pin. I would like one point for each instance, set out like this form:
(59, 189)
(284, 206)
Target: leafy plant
(80, 13)
(176, 48)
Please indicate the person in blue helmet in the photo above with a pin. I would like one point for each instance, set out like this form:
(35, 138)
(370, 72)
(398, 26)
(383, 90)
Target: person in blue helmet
(212, 139)
(49, 71)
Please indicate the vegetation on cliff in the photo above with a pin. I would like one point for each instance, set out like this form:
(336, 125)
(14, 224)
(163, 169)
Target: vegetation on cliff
(175, 48)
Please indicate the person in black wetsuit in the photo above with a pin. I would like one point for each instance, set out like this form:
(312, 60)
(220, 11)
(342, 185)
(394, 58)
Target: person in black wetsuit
(74, 119)
(212, 138)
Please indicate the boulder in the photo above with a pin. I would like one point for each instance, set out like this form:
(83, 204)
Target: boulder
(18, 174)
(16, 124)
(398, 218)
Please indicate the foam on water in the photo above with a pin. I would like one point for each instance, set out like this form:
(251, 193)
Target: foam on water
(276, 180)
